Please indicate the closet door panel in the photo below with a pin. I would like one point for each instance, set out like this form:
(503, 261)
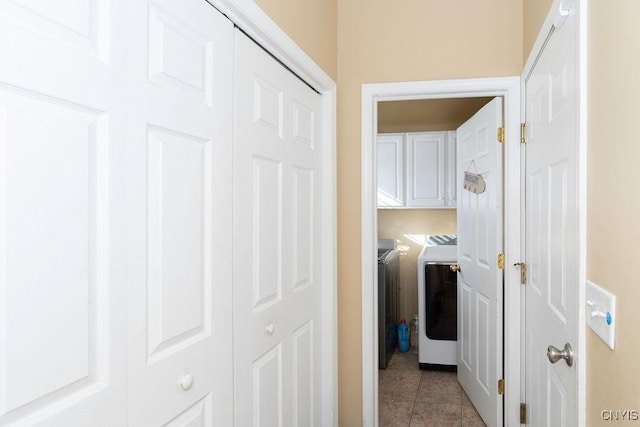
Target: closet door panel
(61, 294)
(180, 354)
(277, 279)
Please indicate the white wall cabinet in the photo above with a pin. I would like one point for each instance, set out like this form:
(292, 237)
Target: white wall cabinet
(391, 170)
(417, 170)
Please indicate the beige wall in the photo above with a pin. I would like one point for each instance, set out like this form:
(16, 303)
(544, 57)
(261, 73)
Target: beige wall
(385, 41)
(613, 226)
(312, 25)
(534, 14)
(407, 227)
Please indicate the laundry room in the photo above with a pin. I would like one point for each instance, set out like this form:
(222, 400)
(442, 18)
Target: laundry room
(418, 179)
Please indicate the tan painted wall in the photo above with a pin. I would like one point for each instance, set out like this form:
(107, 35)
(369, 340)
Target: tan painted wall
(613, 227)
(386, 41)
(534, 14)
(312, 25)
(407, 227)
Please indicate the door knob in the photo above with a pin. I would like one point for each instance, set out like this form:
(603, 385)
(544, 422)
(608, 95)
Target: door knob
(455, 268)
(270, 328)
(185, 382)
(554, 354)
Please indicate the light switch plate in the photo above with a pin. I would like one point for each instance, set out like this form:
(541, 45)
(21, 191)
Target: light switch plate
(601, 313)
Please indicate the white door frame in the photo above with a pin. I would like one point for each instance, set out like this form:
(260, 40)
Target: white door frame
(555, 18)
(509, 88)
(254, 22)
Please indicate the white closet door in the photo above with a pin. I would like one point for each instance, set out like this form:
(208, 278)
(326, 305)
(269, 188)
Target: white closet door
(277, 277)
(62, 346)
(179, 148)
(480, 280)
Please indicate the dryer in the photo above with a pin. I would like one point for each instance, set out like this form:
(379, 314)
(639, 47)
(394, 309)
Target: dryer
(437, 303)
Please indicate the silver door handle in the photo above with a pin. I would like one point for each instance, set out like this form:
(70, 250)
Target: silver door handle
(554, 354)
(455, 268)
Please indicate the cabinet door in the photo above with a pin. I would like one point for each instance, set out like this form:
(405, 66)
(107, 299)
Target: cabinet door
(451, 188)
(425, 169)
(390, 170)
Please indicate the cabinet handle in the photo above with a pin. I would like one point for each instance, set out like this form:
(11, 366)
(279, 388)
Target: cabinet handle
(270, 328)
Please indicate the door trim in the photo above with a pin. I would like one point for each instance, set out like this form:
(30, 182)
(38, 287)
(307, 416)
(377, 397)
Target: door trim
(256, 24)
(509, 88)
(555, 19)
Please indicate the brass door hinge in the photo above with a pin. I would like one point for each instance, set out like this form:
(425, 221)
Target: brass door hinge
(523, 133)
(501, 260)
(501, 386)
(523, 272)
(500, 134)
(523, 413)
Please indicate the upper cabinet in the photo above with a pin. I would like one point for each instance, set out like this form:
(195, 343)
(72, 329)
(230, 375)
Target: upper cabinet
(391, 170)
(425, 153)
(416, 170)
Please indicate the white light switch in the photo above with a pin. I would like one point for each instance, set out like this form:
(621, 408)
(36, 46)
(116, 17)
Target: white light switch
(601, 312)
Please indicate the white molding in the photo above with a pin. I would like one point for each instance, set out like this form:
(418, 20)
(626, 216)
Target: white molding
(254, 22)
(555, 17)
(509, 88)
(581, 8)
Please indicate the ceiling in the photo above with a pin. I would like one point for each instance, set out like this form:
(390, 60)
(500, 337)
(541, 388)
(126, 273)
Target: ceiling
(429, 114)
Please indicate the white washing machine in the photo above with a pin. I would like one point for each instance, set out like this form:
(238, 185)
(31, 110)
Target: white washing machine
(437, 303)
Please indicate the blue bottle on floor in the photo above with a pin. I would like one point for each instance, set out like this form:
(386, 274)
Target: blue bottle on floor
(403, 336)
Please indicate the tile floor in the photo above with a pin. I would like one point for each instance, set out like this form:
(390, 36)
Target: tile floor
(410, 397)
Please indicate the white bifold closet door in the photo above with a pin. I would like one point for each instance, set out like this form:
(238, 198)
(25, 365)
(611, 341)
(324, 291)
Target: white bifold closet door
(115, 213)
(62, 322)
(277, 226)
(179, 186)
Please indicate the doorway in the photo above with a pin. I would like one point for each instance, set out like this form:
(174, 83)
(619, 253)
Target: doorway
(509, 90)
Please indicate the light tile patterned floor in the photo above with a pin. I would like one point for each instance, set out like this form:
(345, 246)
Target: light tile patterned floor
(410, 397)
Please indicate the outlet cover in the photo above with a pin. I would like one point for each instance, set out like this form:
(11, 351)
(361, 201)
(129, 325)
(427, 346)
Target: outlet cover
(601, 313)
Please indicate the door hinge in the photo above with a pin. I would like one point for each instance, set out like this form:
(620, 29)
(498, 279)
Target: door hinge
(523, 272)
(501, 386)
(500, 134)
(523, 413)
(501, 260)
(523, 133)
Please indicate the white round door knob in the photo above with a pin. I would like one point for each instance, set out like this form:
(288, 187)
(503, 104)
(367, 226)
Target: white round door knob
(270, 328)
(186, 381)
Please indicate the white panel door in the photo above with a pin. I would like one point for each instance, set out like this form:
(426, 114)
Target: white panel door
(425, 169)
(277, 279)
(552, 229)
(480, 281)
(62, 347)
(390, 170)
(180, 149)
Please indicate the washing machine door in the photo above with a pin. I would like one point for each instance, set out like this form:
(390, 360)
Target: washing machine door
(440, 302)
